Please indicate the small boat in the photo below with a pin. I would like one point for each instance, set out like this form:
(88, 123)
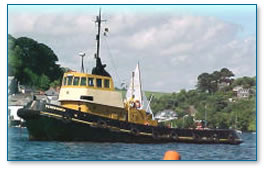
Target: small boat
(90, 109)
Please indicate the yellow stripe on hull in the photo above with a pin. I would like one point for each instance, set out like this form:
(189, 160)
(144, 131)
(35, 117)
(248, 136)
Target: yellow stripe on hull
(51, 114)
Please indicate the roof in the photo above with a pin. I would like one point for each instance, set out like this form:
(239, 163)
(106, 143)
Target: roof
(166, 113)
(51, 92)
(11, 77)
(237, 88)
(19, 100)
(80, 74)
(23, 99)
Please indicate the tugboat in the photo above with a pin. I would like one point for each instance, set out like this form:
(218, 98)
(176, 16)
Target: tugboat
(90, 109)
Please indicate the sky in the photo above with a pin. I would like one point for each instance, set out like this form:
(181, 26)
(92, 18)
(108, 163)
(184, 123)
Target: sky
(172, 43)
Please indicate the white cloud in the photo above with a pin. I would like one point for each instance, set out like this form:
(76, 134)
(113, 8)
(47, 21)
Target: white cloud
(173, 50)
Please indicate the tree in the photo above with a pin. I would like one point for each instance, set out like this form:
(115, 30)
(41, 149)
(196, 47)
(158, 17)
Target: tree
(226, 75)
(246, 82)
(56, 83)
(189, 122)
(216, 76)
(32, 62)
(204, 82)
(14, 57)
(44, 82)
(210, 82)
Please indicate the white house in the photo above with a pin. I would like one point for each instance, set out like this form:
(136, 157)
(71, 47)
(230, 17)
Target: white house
(241, 92)
(16, 102)
(166, 115)
(10, 79)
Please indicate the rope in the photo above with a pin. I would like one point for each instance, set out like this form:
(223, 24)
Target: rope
(112, 61)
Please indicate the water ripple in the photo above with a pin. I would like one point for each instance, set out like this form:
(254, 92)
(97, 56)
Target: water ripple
(19, 148)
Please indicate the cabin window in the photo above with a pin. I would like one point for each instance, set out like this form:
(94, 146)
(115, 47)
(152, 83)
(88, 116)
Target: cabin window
(76, 81)
(99, 82)
(83, 81)
(69, 79)
(90, 98)
(106, 83)
(91, 81)
(65, 81)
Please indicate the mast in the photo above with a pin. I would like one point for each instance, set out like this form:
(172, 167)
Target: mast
(99, 69)
(132, 90)
(82, 55)
(98, 22)
(140, 85)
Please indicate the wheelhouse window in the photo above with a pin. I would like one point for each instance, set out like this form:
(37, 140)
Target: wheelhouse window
(83, 81)
(69, 80)
(98, 82)
(90, 81)
(106, 83)
(76, 81)
(65, 81)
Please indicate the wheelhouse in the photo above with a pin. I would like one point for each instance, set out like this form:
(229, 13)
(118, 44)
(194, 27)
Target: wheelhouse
(83, 80)
(81, 88)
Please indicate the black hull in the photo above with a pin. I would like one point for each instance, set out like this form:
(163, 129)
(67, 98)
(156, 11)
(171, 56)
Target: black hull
(54, 123)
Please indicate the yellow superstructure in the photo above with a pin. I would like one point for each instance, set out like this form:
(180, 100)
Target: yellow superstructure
(88, 88)
(96, 95)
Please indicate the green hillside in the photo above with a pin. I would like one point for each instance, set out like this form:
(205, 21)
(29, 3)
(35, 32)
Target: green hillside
(215, 100)
(148, 93)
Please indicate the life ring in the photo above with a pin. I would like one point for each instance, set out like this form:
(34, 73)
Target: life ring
(215, 138)
(132, 104)
(173, 135)
(146, 123)
(196, 137)
(101, 124)
(155, 134)
(135, 131)
(137, 104)
(231, 139)
(66, 118)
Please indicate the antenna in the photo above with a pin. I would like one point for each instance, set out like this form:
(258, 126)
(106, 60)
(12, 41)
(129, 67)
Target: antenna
(98, 22)
(132, 91)
(82, 55)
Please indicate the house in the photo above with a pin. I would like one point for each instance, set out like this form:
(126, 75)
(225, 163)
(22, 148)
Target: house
(166, 115)
(25, 89)
(11, 81)
(241, 92)
(52, 93)
(16, 102)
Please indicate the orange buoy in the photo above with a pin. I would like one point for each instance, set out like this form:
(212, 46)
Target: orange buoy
(172, 155)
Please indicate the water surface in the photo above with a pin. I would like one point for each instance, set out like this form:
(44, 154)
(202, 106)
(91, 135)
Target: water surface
(20, 148)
